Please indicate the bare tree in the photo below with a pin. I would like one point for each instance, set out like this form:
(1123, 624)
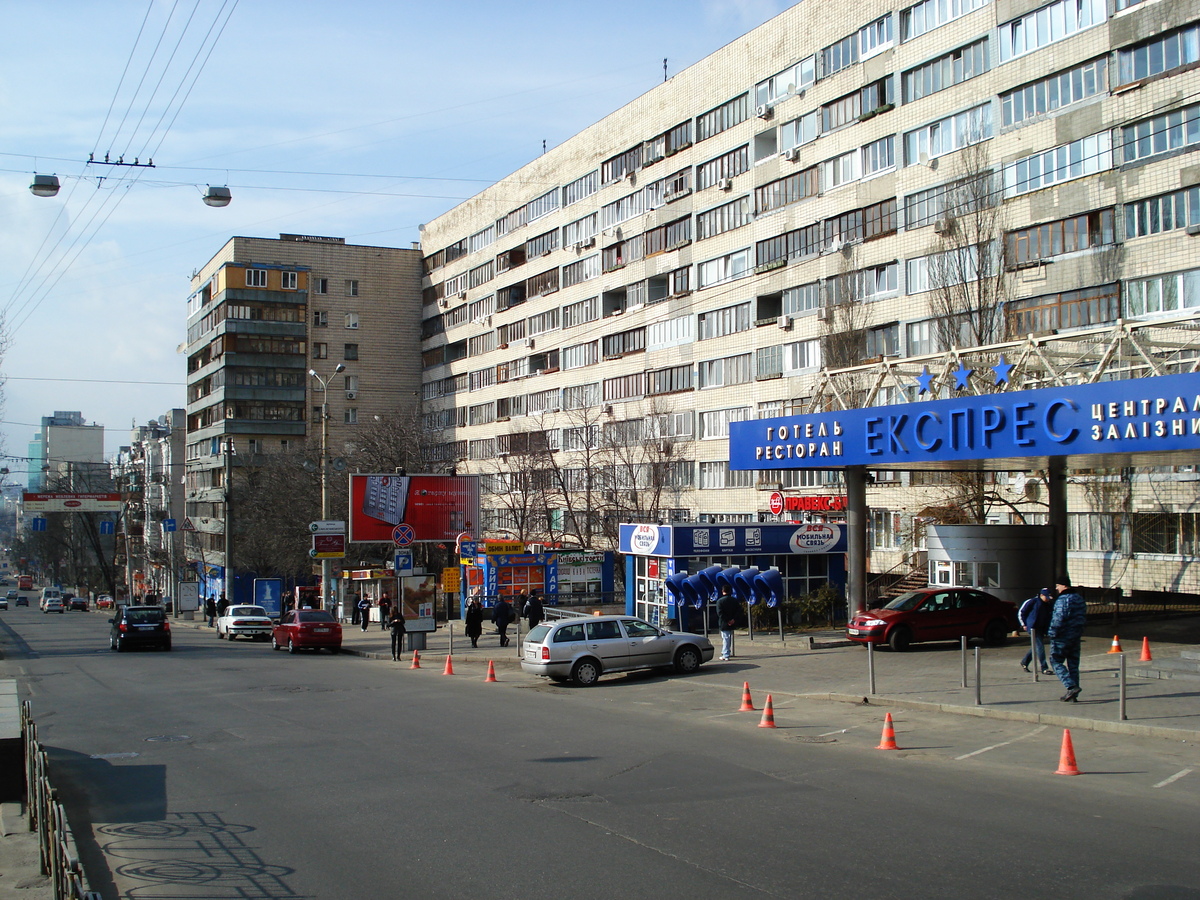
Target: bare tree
(394, 440)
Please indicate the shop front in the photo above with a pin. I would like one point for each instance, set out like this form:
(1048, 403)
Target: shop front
(561, 577)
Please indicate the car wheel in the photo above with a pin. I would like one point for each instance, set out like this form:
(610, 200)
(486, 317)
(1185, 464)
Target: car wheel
(335, 650)
(291, 646)
(996, 633)
(112, 645)
(586, 672)
(900, 639)
(219, 635)
(120, 646)
(274, 643)
(687, 660)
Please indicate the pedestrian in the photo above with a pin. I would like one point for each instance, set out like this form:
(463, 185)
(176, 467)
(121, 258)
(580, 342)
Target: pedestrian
(396, 623)
(532, 610)
(210, 610)
(727, 613)
(502, 614)
(385, 612)
(354, 613)
(1066, 634)
(222, 605)
(473, 620)
(1034, 616)
(364, 611)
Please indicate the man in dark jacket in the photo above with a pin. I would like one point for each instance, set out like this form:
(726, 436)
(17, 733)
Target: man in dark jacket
(1066, 634)
(728, 609)
(502, 614)
(1035, 616)
(532, 610)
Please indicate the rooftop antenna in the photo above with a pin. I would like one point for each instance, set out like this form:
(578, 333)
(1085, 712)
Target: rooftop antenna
(664, 68)
(543, 146)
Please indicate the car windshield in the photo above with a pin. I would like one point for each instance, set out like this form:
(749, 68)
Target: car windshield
(248, 611)
(315, 615)
(911, 600)
(537, 634)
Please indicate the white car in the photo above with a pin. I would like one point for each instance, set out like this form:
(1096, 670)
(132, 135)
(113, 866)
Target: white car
(245, 621)
(52, 604)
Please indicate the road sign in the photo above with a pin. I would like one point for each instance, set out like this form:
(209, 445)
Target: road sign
(328, 546)
(37, 524)
(327, 526)
(403, 562)
(268, 593)
(107, 527)
(403, 535)
(187, 525)
(468, 548)
(168, 524)
(450, 580)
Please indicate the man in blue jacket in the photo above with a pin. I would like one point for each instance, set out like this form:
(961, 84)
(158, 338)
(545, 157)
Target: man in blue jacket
(1066, 633)
(1035, 616)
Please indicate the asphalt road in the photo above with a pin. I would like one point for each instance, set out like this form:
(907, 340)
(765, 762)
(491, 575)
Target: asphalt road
(230, 771)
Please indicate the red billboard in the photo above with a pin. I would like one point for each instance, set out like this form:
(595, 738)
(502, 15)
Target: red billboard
(433, 507)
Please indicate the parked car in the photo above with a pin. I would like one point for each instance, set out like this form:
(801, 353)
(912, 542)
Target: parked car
(52, 604)
(307, 629)
(245, 621)
(935, 614)
(80, 603)
(50, 593)
(104, 601)
(582, 649)
(139, 626)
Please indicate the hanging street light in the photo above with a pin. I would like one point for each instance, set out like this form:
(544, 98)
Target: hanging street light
(44, 185)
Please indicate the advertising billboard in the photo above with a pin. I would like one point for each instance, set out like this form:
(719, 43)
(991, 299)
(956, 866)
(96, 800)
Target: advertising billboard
(403, 509)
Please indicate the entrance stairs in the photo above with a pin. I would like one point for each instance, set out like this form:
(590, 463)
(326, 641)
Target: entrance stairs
(1186, 666)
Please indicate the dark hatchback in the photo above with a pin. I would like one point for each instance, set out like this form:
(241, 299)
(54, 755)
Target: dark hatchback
(139, 626)
(935, 614)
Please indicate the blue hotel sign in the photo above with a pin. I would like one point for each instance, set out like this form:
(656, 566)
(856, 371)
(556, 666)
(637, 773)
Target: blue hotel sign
(1158, 414)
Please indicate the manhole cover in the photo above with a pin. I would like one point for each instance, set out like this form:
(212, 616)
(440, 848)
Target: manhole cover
(167, 738)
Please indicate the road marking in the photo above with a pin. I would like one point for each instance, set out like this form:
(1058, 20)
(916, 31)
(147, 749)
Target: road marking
(840, 731)
(1174, 777)
(1037, 730)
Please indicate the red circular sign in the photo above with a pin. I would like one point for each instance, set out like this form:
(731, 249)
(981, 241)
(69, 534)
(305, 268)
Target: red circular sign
(403, 535)
(72, 503)
(776, 502)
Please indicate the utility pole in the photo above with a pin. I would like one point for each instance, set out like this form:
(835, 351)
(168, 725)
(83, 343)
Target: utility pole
(326, 565)
(229, 574)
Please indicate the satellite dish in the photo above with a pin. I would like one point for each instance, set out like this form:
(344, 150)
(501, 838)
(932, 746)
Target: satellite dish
(339, 464)
(309, 466)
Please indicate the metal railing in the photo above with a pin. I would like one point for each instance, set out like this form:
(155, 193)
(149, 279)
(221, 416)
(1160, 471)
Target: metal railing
(56, 844)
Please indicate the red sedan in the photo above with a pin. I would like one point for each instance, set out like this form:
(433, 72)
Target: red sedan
(935, 614)
(307, 629)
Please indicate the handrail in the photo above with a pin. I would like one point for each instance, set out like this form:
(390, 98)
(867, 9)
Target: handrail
(56, 844)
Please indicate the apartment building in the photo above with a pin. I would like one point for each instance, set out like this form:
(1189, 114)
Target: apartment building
(894, 182)
(262, 315)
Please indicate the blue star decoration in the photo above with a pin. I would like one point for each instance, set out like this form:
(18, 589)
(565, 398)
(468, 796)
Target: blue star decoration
(961, 374)
(1002, 369)
(924, 380)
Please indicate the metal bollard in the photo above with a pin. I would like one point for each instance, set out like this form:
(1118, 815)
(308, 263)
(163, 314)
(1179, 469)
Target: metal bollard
(1121, 691)
(978, 680)
(963, 649)
(1033, 656)
(782, 639)
(450, 631)
(871, 670)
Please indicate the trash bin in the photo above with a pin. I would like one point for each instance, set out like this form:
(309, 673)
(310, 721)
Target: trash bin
(416, 640)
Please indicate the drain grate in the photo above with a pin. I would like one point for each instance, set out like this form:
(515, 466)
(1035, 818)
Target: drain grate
(167, 738)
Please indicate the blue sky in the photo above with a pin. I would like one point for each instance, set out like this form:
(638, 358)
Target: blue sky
(360, 119)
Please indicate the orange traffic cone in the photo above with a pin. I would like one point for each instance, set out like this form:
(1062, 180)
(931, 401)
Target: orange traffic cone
(768, 719)
(1116, 645)
(888, 741)
(491, 675)
(747, 703)
(1146, 656)
(416, 664)
(449, 670)
(1066, 756)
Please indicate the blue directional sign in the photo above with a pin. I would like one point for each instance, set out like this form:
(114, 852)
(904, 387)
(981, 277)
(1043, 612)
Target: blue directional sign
(37, 524)
(107, 527)
(168, 524)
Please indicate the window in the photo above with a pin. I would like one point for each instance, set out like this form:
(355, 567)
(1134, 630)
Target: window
(875, 37)
(802, 299)
(669, 381)
(351, 352)
(883, 341)
(320, 318)
(1162, 293)
(785, 191)
(718, 475)
(256, 278)
(542, 206)
(921, 338)
(715, 424)
(543, 322)
(581, 396)
(798, 243)
(946, 71)
(1163, 53)
(581, 188)
(768, 363)
(732, 112)
(1051, 23)
(948, 200)
(723, 268)
(352, 320)
(542, 245)
(864, 284)
(671, 333)
(288, 280)
(352, 287)
(929, 14)
(624, 387)
(351, 386)
(1085, 156)
(580, 355)
(800, 131)
(350, 415)
(481, 239)
(1063, 236)
(1093, 531)
(1165, 212)
(723, 218)
(723, 372)
(320, 285)
(581, 313)
(483, 274)
(581, 271)
(880, 155)
(617, 345)
(1171, 131)
(728, 165)
(581, 230)
(1070, 309)
(841, 112)
(948, 134)
(621, 165)
(886, 529)
(793, 78)
(722, 322)
(841, 170)
(669, 189)
(1055, 92)
(801, 356)
(320, 350)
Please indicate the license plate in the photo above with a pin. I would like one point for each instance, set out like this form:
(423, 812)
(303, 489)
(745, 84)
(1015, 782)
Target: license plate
(529, 654)
(321, 630)
(851, 631)
(145, 627)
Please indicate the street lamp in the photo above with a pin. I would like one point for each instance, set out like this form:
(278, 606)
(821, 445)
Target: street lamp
(326, 591)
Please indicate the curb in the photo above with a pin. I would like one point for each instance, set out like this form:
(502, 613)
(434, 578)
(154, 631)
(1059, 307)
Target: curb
(984, 712)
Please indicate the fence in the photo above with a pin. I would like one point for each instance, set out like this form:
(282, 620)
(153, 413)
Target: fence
(56, 844)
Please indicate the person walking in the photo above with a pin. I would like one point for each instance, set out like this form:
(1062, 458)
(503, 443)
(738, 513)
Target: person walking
(1066, 635)
(532, 610)
(727, 613)
(502, 614)
(396, 623)
(473, 620)
(385, 612)
(210, 610)
(1034, 616)
(364, 611)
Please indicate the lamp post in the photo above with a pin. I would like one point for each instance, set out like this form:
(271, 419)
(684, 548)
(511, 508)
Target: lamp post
(229, 573)
(326, 591)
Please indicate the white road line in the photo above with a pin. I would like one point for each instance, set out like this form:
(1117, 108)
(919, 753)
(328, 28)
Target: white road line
(841, 730)
(1174, 777)
(1037, 730)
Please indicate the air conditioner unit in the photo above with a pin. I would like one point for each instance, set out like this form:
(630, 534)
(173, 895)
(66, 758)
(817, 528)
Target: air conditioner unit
(944, 226)
(590, 242)
(351, 395)
(764, 111)
(351, 325)
(529, 343)
(724, 184)
(462, 295)
(785, 322)
(822, 313)
(443, 303)
(792, 154)
(1193, 230)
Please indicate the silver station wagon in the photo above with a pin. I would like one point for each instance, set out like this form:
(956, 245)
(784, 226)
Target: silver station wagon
(584, 648)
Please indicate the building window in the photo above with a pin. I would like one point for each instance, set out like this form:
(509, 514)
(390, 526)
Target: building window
(352, 287)
(481, 239)
(320, 318)
(724, 268)
(785, 191)
(256, 278)
(1161, 134)
(723, 218)
(1162, 293)
(883, 341)
(801, 131)
(1070, 309)
(320, 285)
(948, 134)
(669, 381)
(580, 355)
(886, 529)
(921, 338)
(768, 363)
(350, 415)
(581, 230)
(715, 423)
(725, 116)
(793, 78)
(352, 320)
(802, 299)
(950, 200)
(1162, 54)
(929, 14)
(582, 312)
(801, 356)
(1055, 92)
(723, 372)
(946, 71)
(841, 170)
(1166, 212)
(1047, 25)
(581, 271)
(1051, 239)
(880, 155)
(581, 188)
(351, 386)
(728, 165)
(288, 280)
(320, 350)
(1085, 156)
(722, 322)
(351, 351)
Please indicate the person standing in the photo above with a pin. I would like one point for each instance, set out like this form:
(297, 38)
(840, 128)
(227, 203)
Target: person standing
(396, 623)
(210, 610)
(1066, 635)
(532, 611)
(355, 600)
(222, 605)
(502, 614)
(473, 620)
(1035, 616)
(727, 613)
(385, 611)
(364, 611)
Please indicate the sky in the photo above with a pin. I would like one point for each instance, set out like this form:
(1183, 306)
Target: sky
(357, 119)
